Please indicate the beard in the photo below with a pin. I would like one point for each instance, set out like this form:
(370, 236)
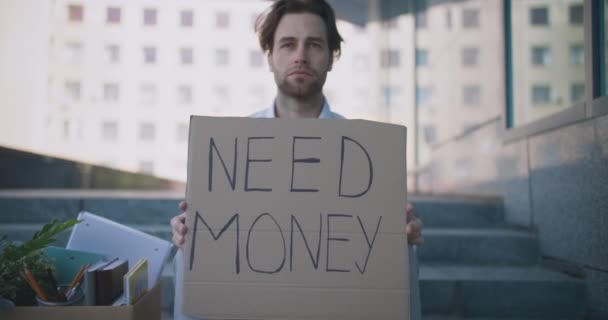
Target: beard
(301, 88)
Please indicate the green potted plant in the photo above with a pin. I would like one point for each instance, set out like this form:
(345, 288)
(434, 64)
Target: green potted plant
(15, 257)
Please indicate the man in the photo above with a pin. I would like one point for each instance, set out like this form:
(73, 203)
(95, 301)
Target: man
(301, 40)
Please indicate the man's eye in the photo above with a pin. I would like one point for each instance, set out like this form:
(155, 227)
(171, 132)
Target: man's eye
(287, 45)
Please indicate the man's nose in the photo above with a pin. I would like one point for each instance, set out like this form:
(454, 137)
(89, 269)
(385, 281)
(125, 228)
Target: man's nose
(301, 55)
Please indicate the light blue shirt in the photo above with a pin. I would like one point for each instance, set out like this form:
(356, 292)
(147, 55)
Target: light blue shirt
(326, 113)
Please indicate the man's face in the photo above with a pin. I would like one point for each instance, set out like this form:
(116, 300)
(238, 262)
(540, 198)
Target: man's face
(300, 58)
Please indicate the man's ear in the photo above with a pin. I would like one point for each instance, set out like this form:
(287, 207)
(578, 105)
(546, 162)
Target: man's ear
(331, 62)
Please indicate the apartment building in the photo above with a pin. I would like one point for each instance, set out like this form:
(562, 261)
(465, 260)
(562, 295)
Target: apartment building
(116, 82)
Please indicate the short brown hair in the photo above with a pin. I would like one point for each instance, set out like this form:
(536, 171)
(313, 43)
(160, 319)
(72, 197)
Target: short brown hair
(266, 24)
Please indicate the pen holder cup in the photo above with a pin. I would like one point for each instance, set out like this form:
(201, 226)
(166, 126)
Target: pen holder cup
(76, 300)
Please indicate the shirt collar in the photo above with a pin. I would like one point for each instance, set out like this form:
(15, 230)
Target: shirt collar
(325, 111)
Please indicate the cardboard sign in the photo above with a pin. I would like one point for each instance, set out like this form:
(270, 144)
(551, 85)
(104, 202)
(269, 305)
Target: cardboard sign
(296, 219)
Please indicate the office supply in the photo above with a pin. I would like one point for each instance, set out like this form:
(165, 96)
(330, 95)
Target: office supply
(70, 294)
(107, 237)
(68, 262)
(136, 282)
(89, 283)
(120, 301)
(59, 296)
(109, 281)
(78, 277)
(29, 278)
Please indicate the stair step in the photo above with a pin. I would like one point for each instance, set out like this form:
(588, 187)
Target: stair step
(25, 231)
(495, 291)
(479, 246)
(444, 211)
(126, 207)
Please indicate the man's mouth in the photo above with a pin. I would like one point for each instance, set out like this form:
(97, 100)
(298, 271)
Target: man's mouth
(300, 72)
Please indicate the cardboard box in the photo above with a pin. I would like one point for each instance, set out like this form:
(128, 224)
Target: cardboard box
(147, 308)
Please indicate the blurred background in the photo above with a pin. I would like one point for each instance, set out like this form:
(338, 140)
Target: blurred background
(504, 101)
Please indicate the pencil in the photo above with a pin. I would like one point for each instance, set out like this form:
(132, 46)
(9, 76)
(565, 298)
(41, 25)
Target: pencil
(34, 285)
(78, 277)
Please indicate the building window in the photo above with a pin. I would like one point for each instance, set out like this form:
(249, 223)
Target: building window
(470, 56)
(112, 53)
(72, 90)
(541, 56)
(389, 93)
(184, 94)
(421, 19)
(448, 18)
(186, 18)
(73, 52)
(186, 56)
(222, 94)
(150, 55)
(541, 94)
(110, 92)
(148, 94)
(113, 15)
(577, 92)
(576, 14)
(429, 134)
(222, 20)
(423, 95)
(390, 24)
(256, 58)
(109, 131)
(146, 167)
(182, 132)
(539, 16)
(471, 95)
(75, 13)
(66, 129)
(422, 57)
(389, 58)
(147, 131)
(149, 17)
(470, 18)
(577, 54)
(222, 57)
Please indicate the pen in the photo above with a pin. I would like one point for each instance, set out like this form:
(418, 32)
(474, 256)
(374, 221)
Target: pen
(70, 294)
(60, 296)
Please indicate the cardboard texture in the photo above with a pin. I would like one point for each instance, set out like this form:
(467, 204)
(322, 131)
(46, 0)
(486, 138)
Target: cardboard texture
(296, 219)
(147, 308)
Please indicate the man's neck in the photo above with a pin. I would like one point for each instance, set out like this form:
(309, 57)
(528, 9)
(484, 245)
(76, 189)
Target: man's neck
(289, 107)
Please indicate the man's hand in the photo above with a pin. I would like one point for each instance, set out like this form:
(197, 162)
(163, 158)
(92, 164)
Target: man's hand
(178, 225)
(413, 227)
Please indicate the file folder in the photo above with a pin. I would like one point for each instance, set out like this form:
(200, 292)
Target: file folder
(100, 235)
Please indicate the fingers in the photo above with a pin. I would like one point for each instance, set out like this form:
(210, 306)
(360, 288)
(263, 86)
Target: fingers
(414, 232)
(414, 226)
(179, 229)
(409, 212)
(183, 206)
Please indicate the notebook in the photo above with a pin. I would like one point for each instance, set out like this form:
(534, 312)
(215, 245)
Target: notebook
(100, 235)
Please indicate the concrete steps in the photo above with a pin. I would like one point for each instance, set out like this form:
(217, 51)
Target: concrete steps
(473, 265)
(505, 291)
(502, 246)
